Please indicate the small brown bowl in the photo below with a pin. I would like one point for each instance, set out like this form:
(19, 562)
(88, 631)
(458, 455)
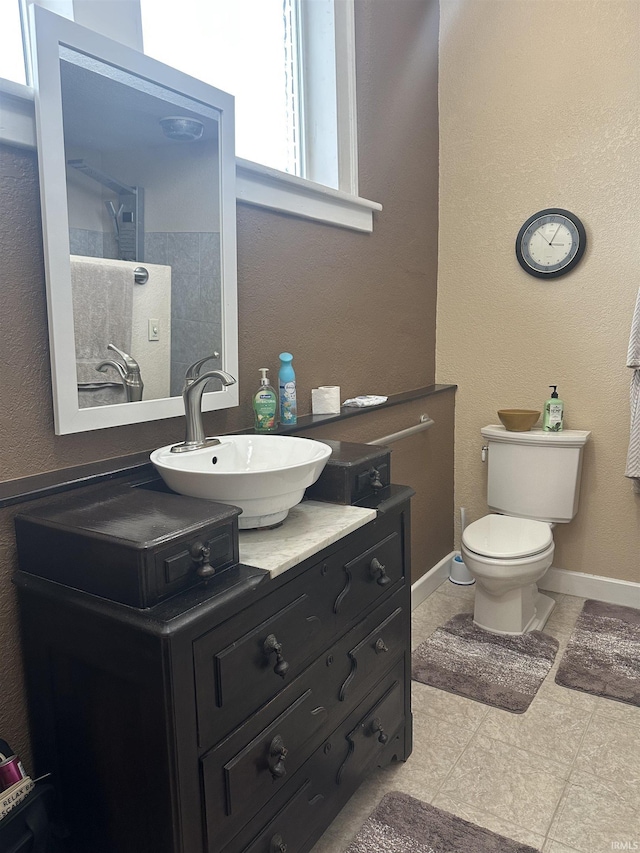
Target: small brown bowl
(518, 420)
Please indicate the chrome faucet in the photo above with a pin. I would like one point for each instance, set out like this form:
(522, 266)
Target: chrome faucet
(194, 383)
(129, 373)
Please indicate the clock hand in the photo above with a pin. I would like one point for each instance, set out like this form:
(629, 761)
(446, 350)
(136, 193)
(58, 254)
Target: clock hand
(555, 235)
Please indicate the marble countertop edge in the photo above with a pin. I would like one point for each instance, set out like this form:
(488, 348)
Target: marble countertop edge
(309, 527)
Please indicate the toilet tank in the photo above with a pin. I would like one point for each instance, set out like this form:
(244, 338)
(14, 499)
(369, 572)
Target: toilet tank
(534, 474)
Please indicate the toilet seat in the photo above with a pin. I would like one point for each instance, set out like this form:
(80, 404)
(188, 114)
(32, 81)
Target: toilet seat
(505, 537)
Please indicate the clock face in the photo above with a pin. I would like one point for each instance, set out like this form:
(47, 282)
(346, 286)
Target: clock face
(550, 243)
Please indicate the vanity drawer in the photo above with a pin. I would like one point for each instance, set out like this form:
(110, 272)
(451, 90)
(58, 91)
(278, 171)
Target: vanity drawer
(370, 656)
(370, 574)
(353, 473)
(237, 788)
(366, 741)
(176, 567)
(293, 824)
(235, 678)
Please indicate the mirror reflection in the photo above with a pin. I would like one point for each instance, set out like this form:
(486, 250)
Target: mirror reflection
(142, 170)
(138, 197)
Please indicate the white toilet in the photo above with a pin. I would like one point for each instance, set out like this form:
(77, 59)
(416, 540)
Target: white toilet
(533, 483)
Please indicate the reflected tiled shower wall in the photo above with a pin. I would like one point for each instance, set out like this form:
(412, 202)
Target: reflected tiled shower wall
(92, 244)
(196, 316)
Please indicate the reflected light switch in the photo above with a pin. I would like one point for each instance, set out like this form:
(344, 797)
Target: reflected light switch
(154, 329)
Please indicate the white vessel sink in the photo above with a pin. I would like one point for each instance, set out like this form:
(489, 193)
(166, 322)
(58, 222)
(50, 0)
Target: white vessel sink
(264, 475)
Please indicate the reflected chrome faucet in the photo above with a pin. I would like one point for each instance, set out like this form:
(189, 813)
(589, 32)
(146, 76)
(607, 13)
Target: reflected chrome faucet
(194, 383)
(129, 373)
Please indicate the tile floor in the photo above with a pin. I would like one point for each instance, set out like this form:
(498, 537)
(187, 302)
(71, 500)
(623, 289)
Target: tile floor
(564, 777)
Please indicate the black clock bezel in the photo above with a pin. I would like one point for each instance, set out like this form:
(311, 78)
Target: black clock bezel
(521, 254)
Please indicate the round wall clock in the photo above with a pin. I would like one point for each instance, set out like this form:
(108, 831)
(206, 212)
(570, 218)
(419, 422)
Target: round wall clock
(550, 243)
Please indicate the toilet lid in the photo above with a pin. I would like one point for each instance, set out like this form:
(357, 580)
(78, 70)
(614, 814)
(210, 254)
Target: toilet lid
(503, 536)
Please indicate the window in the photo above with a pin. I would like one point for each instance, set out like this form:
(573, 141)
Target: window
(291, 66)
(278, 58)
(11, 51)
(290, 63)
(247, 48)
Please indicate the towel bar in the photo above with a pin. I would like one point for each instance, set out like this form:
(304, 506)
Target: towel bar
(425, 423)
(141, 275)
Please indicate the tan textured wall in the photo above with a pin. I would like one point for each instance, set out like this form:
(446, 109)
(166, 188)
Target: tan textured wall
(356, 310)
(540, 107)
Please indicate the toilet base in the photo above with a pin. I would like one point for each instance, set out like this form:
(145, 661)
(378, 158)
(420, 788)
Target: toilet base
(516, 612)
(544, 606)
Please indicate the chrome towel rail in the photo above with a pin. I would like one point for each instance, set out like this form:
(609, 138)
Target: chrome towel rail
(141, 275)
(425, 423)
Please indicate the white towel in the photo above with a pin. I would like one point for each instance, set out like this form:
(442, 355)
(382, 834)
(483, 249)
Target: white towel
(633, 361)
(108, 308)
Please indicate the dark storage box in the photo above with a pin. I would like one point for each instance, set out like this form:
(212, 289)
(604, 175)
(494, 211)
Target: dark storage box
(354, 472)
(125, 543)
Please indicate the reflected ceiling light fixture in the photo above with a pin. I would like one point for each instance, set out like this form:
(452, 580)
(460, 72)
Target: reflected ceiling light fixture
(182, 128)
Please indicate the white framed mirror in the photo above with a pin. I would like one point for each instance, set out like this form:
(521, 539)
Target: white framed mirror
(137, 182)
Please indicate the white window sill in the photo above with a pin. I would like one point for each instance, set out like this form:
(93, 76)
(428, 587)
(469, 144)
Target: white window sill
(255, 185)
(17, 122)
(264, 187)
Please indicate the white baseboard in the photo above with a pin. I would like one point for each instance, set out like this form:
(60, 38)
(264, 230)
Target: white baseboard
(611, 590)
(430, 581)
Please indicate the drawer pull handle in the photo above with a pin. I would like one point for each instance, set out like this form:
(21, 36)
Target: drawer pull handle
(374, 479)
(271, 644)
(380, 646)
(376, 726)
(201, 554)
(277, 754)
(277, 845)
(379, 572)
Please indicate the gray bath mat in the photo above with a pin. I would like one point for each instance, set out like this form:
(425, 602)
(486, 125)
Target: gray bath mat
(496, 669)
(401, 824)
(603, 654)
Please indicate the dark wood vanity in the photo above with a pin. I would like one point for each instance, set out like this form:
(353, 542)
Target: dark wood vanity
(183, 711)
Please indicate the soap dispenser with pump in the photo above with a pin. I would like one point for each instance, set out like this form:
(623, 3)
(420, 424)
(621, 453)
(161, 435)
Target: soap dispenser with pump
(553, 412)
(265, 405)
